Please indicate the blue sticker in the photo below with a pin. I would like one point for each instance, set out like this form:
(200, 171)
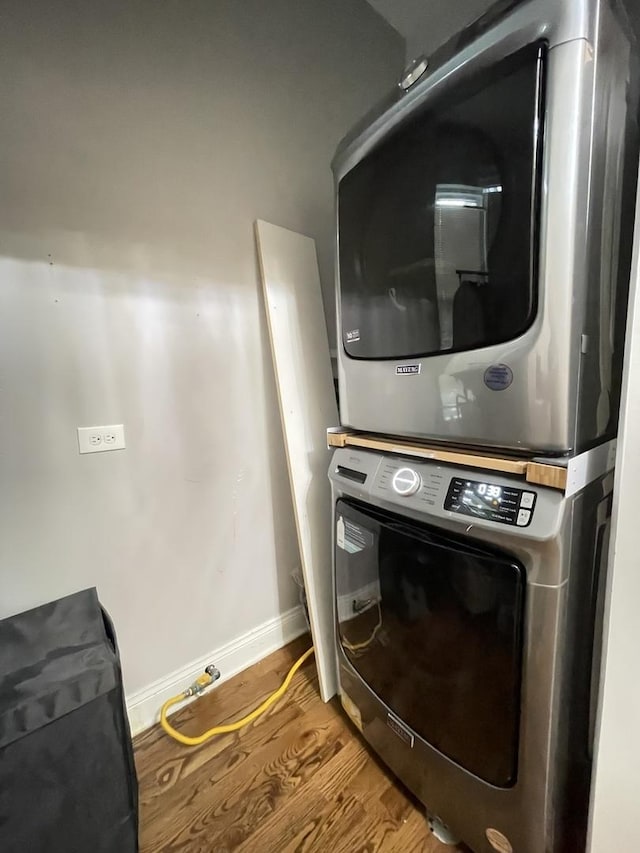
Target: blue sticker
(498, 377)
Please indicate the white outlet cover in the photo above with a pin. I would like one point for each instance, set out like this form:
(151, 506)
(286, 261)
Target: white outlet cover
(98, 439)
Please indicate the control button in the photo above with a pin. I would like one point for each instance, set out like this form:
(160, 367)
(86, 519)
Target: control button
(527, 499)
(523, 517)
(406, 482)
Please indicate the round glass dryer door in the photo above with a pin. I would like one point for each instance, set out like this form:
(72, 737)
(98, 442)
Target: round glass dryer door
(437, 223)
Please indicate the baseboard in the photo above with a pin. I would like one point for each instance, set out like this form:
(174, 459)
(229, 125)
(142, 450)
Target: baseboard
(144, 705)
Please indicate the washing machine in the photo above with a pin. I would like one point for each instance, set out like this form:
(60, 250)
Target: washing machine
(468, 624)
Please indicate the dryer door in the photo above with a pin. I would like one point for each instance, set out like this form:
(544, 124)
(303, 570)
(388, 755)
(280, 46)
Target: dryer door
(437, 224)
(433, 624)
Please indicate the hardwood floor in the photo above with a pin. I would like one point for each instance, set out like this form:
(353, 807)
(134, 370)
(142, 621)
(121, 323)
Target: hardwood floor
(298, 780)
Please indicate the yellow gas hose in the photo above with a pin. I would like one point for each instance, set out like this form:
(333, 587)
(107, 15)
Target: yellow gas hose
(204, 681)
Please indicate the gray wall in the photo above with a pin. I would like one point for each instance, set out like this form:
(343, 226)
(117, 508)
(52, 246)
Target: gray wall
(426, 24)
(139, 143)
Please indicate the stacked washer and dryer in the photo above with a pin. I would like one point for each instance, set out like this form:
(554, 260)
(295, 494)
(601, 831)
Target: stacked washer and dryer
(485, 224)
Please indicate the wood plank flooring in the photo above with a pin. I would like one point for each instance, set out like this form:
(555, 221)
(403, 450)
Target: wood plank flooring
(298, 780)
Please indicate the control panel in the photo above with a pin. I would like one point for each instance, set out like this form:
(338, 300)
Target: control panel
(491, 502)
(448, 496)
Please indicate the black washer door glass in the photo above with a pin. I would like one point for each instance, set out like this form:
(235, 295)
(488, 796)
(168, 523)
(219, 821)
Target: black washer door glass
(433, 625)
(437, 224)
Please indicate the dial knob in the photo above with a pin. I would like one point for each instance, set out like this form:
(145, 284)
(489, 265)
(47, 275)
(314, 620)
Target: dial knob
(406, 482)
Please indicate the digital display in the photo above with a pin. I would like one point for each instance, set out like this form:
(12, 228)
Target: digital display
(490, 501)
(485, 490)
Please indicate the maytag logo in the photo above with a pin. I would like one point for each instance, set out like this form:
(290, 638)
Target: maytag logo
(401, 730)
(407, 369)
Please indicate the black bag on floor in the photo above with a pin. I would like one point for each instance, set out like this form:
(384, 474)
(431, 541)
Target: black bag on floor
(67, 778)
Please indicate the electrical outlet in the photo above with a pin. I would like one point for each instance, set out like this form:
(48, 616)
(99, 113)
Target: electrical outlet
(99, 438)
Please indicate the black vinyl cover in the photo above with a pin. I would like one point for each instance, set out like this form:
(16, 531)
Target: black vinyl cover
(67, 777)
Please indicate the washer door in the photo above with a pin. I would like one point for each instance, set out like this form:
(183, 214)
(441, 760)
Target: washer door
(433, 624)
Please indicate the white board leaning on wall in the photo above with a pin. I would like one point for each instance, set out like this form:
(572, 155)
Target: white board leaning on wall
(300, 350)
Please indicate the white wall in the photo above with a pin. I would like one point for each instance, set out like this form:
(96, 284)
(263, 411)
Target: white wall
(139, 143)
(614, 813)
(426, 24)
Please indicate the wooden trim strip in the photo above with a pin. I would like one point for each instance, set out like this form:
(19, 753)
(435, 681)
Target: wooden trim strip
(336, 439)
(552, 476)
